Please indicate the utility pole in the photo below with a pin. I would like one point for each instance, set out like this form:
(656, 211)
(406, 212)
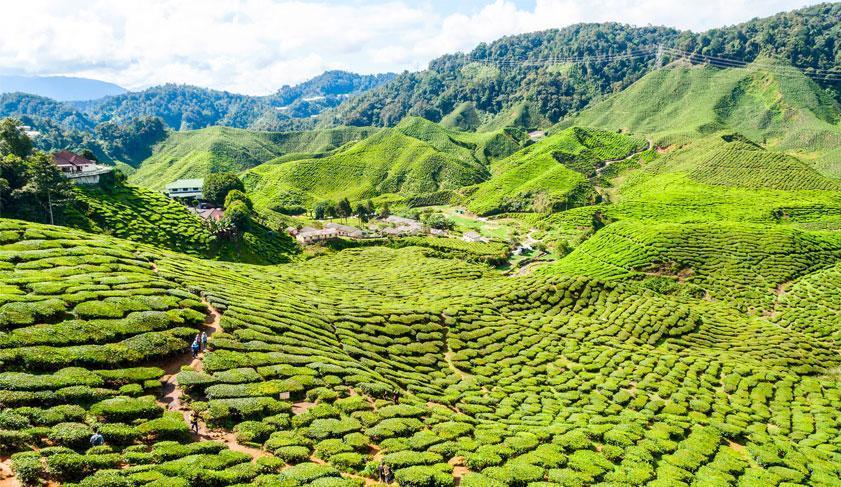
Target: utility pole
(659, 62)
(50, 203)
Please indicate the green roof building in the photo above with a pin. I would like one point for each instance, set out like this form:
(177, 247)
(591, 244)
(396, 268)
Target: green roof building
(185, 188)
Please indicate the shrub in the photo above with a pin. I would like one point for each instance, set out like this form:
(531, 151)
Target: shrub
(253, 431)
(171, 426)
(515, 474)
(28, 468)
(409, 458)
(119, 434)
(72, 435)
(348, 461)
(67, 466)
(423, 476)
(124, 409)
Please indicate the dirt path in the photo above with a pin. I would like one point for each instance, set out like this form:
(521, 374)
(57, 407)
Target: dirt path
(610, 162)
(171, 394)
(7, 477)
(448, 357)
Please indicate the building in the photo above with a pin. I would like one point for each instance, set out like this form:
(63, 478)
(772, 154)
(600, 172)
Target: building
(345, 230)
(308, 235)
(79, 169)
(185, 189)
(215, 214)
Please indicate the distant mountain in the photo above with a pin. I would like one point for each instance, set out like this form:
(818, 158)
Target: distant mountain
(184, 107)
(188, 107)
(511, 77)
(59, 88)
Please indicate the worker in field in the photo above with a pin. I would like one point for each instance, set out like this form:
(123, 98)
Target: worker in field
(97, 439)
(195, 347)
(203, 341)
(194, 422)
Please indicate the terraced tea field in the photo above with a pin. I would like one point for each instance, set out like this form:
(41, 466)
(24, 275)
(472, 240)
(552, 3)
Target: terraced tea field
(446, 371)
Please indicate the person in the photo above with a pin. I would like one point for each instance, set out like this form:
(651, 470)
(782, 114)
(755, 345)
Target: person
(388, 474)
(198, 340)
(203, 341)
(97, 439)
(194, 422)
(380, 473)
(195, 347)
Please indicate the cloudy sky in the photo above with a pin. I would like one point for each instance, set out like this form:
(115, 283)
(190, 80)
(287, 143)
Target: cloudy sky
(256, 46)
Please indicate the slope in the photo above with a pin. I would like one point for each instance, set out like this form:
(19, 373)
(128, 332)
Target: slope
(389, 355)
(416, 157)
(779, 107)
(551, 174)
(149, 217)
(725, 176)
(194, 154)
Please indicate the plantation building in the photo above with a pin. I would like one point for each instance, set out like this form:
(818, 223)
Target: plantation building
(78, 169)
(185, 189)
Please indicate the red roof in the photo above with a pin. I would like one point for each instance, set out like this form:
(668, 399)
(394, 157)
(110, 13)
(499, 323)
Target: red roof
(67, 158)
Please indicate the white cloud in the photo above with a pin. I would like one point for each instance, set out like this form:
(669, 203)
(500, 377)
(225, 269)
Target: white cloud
(255, 46)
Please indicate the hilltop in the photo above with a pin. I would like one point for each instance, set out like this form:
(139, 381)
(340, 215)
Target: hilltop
(511, 74)
(767, 102)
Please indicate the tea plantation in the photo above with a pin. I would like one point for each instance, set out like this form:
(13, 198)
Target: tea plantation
(444, 370)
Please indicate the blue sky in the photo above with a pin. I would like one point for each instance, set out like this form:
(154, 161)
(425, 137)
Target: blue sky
(256, 46)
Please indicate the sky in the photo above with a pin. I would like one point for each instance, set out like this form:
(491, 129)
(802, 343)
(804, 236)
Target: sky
(257, 46)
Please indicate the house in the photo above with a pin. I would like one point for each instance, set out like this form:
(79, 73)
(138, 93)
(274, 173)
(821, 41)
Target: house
(345, 230)
(79, 169)
(308, 235)
(185, 189)
(537, 134)
(215, 214)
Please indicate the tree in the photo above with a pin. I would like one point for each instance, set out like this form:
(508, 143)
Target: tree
(237, 195)
(217, 186)
(46, 184)
(369, 207)
(362, 213)
(344, 210)
(238, 214)
(385, 210)
(13, 140)
(439, 221)
(89, 155)
(321, 209)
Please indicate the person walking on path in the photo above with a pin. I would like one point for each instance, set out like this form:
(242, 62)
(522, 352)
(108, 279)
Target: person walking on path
(380, 472)
(195, 347)
(203, 341)
(388, 474)
(194, 422)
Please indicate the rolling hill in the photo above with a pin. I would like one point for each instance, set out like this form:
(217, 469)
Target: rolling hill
(552, 174)
(194, 154)
(417, 157)
(558, 72)
(780, 108)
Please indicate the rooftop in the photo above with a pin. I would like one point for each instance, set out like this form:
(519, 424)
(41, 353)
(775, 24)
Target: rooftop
(185, 183)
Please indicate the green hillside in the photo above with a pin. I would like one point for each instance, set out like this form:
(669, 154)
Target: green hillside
(569, 379)
(552, 174)
(149, 217)
(777, 107)
(194, 154)
(529, 70)
(726, 177)
(417, 157)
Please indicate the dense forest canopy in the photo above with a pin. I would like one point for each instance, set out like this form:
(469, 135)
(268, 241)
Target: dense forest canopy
(608, 57)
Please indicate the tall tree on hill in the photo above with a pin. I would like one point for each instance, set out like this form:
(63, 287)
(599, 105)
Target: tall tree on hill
(46, 185)
(218, 185)
(362, 213)
(344, 210)
(13, 140)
